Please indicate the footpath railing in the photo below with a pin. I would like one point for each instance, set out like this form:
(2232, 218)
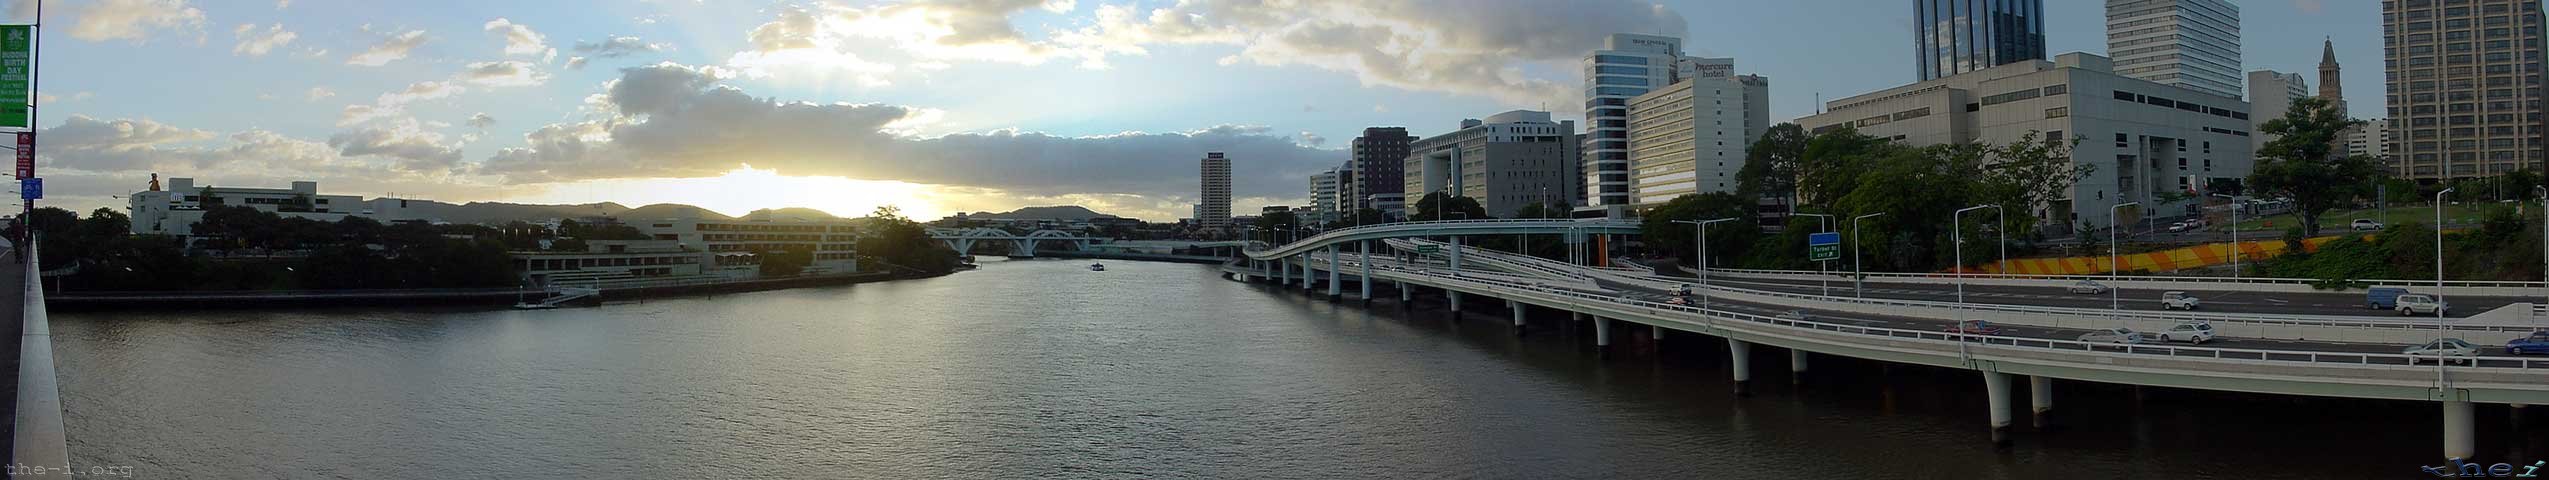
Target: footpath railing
(1438, 224)
(2146, 278)
(1712, 317)
(39, 441)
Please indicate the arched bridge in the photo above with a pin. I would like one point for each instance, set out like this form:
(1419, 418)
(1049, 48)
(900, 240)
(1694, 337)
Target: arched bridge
(962, 240)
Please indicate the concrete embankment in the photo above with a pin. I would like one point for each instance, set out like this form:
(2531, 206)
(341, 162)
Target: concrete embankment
(453, 296)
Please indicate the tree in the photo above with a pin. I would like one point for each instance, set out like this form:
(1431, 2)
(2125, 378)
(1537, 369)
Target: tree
(1833, 163)
(1770, 166)
(1364, 216)
(1726, 240)
(1439, 206)
(2301, 166)
(1537, 210)
(1278, 226)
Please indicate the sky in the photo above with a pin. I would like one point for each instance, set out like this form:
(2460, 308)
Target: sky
(932, 106)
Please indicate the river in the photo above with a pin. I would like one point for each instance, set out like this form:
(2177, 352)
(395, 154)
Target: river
(1040, 368)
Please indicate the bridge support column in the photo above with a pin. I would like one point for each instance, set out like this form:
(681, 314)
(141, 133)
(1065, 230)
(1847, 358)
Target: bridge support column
(1997, 384)
(1332, 273)
(2040, 395)
(1797, 364)
(1283, 272)
(2460, 438)
(1365, 247)
(1454, 295)
(1655, 332)
(1309, 273)
(1602, 333)
(1455, 254)
(1405, 295)
(1741, 353)
(1518, 310)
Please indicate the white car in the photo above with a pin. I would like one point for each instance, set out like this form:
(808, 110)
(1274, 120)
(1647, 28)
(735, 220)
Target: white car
(2113, 335)
(2091, 287)
(2189, 332)
(1682, 291)
(1797, 315)
(2175, 300)
(2420, 304)
(2449, 349)
(2366, 225)
(2178, 227)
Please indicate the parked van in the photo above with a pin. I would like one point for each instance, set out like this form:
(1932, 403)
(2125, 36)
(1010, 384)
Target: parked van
(2383, 298)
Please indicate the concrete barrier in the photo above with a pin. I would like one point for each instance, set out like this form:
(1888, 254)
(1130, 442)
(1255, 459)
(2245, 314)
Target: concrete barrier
(39, 441)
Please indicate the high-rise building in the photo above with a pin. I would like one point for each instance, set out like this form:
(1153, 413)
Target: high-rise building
(2150, 143)
(1509, 160)
(1691, 137)
(2372, 139)
(1378, 157)
(2187, 43)
(2270, 94)
(1323, 190)
(1215, 210)
(2464, 91)
(1628, 65)
(1957, 36)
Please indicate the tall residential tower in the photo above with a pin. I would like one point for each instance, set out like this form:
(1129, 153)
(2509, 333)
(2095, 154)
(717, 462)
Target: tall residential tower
(2186, 43)
(1214, 211)
(2464, 90)
(1379, 156)
(1957, 36)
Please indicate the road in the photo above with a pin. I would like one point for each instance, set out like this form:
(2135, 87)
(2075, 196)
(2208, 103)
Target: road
(2226, 301)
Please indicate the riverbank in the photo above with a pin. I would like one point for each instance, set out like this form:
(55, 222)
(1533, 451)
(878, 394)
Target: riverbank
(76, 300)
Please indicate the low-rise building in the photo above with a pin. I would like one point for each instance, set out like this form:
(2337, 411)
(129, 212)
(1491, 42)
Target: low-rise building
(174, 211)
(1509, 160)
(1691, 137)
(833, 243)
(2148, 142)
(607, 260)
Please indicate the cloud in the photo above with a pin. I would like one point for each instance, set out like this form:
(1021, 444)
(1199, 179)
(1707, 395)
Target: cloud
(1312, 140)
(42, 98)
(413, 148)
(829, 37)
(256, 43)
(390, 49)
(671, 120)
(507, 73)
(519, 39)
(613, 47)
(103, 20)
(482, 120)
(395, 103)
(94, 157)
(316, 93)
(2310, 7)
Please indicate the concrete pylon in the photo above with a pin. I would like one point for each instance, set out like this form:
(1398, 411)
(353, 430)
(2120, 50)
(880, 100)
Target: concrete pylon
(2460, 436)
(2040, 395)
(1997, 384)
(1518, 311)
(1740, 352)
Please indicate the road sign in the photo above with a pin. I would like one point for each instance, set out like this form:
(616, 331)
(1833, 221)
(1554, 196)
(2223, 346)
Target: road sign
(1823, 246)
(26, 154)
(17, 74)
(31, 188)
(1429, 248)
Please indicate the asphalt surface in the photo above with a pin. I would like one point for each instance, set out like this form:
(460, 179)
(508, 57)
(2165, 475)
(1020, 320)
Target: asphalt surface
(2349, 303)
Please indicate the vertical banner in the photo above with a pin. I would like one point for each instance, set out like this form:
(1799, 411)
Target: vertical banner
(26, 154)
(17, 75)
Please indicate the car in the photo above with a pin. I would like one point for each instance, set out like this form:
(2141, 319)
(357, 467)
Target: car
(2538, 342)
(2091, 287)
(1797, 315)
(2178, 227)
(2419, 304)
(2366, 225)
(1682, 291)
(1974, 327)
(2382, 298)
(2113, 335)
(2442, 350)
(2189, 332)
(2175, 300)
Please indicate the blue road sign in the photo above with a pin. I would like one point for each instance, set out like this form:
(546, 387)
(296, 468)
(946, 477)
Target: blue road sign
(1823, 246)
(1825, 238)
(30, 188)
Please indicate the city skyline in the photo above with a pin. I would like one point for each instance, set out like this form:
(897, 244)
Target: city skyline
(474, 106)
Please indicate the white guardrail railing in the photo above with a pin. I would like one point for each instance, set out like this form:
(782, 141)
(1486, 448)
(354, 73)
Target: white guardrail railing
(38, 440)
(2258, 355)
(2148, 278)
(1666, 283)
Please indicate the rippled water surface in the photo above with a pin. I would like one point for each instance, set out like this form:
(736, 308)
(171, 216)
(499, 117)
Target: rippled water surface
(1043, 369)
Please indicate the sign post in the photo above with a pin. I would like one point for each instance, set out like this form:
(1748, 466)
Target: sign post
(1823, 248)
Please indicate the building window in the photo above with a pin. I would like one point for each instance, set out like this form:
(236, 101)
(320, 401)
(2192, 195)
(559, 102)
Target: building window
(2057, 112)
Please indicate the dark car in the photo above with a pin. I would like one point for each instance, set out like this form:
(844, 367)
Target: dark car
(2537, 343)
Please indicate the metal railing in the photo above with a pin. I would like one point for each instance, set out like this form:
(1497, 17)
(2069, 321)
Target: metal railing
(2219, 353)
(1436, 224)
(2146, 278)
(38, 438)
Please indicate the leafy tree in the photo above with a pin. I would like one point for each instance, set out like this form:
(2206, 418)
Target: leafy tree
(1726, 240)
(1278, 226)
(1770, 166)
(785, 263)
(2301, 166)
(1366, 216)
(1440, 206)
(901, 242)
(1834, 162)
(1537, 210)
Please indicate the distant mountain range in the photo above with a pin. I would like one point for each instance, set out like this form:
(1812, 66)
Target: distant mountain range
(498, 212)
(1057, 212)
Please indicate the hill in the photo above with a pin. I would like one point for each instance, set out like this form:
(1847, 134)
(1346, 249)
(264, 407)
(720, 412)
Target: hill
(1057, 212)
(671, 210)
(498, 212)
(800, 213)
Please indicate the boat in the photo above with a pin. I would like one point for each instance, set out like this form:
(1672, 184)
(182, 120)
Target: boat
(1097, 267)
(533, 306)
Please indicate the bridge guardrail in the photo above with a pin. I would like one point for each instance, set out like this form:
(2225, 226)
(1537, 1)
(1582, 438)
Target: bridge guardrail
(2153, 278)
(2263, 355)
(38, 438)
(1330, 234)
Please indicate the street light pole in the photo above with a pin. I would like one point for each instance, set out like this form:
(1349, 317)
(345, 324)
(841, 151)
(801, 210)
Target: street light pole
(1700, 227)
(2438, 258)
(1858, 275)
(1824, 268)
(2114, 272)
(2544, 233)
(2234, 234)
(1959, 218)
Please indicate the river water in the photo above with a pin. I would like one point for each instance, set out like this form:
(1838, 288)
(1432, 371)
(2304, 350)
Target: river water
(1040, 368)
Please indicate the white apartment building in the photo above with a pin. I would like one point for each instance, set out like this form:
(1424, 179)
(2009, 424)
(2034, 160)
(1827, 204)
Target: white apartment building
(607, 260)
(2186, 43)
(1509, 160)
(2147, 140)
(1323, 197)
(1691, 137)
(175, 210)
(733, 244)
(1628, 65)
(2270, 94)
(2373, 140)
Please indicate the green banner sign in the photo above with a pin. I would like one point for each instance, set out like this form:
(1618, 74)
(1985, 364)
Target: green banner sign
(1428, 248)
(17, 75)
(1824, 252)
